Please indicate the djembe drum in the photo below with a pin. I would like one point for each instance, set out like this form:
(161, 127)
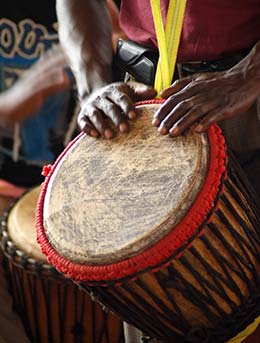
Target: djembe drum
(53, 309)
(163, 231)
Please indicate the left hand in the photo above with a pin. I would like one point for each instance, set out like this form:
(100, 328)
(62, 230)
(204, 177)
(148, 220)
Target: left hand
(202, 100)
(112, 104)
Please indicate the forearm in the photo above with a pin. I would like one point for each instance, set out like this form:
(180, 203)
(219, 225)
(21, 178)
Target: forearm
(85, 34)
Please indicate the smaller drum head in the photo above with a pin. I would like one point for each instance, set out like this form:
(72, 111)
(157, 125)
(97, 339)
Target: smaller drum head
(21, 225)
(109, 200)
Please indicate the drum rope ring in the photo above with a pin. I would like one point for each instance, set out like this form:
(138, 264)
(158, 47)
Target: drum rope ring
(179, 274)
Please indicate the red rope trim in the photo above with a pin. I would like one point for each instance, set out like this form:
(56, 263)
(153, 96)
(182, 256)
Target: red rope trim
(163, 249)
(150, 102)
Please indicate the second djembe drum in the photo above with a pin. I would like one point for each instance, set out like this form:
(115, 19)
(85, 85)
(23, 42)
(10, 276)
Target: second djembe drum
(164, 232)
(52, 308)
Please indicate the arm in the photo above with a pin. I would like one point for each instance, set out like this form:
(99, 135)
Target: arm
(45, 78)
(86, 36)
(211, 97)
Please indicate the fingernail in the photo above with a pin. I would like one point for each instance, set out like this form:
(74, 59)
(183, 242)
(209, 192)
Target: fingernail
(162, 94)
(198, 128)
(108, 134)
(155, 122)
(162, 130)
(174, 131)
(123, 127)
(93, 133)
(131, 115)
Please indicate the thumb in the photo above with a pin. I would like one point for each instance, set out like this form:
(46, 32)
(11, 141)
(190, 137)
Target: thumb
(175, 87)
(178, 85)
(142, 91)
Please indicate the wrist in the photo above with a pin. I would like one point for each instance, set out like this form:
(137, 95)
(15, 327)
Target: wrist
(250, 65)
(91, 77)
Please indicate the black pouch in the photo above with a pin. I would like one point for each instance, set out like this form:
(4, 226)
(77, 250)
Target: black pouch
(138, 61)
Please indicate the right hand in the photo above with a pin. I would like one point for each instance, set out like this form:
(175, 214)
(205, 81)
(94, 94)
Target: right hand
(112, 104)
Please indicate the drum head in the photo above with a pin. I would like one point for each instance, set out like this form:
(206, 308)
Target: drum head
(21, 225)
(109, 200)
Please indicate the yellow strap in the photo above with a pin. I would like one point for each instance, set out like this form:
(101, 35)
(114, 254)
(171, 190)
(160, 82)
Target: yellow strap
(174, 38)
(163, 63)
(168, 40)
(247, 332)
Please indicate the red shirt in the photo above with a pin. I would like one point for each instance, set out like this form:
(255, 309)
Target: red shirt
(211, 29)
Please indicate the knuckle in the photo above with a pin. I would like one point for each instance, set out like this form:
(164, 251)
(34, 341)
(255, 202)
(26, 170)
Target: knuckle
(114, 88)
(98, 98)
(167, 123)
(160, 114)
(81, 114)
(80, 120)
(199, 110)
(122, 97)
(183, 105)
(111, 108)
(106, 93)
(171, 98)
(93, 114)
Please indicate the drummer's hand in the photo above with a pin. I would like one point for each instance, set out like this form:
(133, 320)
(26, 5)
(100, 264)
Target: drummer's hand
(112, 104)
(204, 99)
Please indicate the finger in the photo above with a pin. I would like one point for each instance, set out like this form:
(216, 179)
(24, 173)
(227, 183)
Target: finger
(144, 92)
(173, 117)
(167, 108)
(191, 117)
(180, 110)
(163, 111)
(211, 118)
(113, 112)
(85, 126)
(124, 101)
(175, 87)
(190, 91)
(96, 118)
(194, 84)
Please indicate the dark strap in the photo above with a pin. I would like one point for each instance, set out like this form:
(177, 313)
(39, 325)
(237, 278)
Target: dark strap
(212, 66)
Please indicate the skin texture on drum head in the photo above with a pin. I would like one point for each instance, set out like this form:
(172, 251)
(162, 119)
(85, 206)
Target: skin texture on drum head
(109, 200)
(21, 225)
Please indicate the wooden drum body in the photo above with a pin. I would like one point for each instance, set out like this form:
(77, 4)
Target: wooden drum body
(165, 232)
(53, 309)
